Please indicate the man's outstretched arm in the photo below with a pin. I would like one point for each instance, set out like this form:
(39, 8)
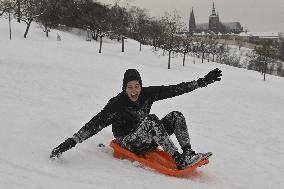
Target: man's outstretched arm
(95, 125)
(164, 92)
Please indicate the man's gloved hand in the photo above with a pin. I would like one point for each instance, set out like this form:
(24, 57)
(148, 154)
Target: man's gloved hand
(63, 147)
(212, 76)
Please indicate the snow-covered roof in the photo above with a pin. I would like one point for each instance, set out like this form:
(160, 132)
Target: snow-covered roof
(232, 25)
(261, 34)
(228, 25)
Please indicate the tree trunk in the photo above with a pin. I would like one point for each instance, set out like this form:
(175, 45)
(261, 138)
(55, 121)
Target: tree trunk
(122, 44)
(264, 77)
(94, 36)
(183, 61)
(169, 61)
(203, 56)
(28, 27)
(46, 31)
(140, 47)
(213, 58)
(154, 44)
(265, 70)
(101, 44)
(19, 11)
(10, 28)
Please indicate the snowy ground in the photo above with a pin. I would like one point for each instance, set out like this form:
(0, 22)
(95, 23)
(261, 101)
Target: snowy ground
(50, 89)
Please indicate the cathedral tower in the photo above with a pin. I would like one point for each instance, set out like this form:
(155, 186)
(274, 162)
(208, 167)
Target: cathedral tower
(214, 22)
(191, 24)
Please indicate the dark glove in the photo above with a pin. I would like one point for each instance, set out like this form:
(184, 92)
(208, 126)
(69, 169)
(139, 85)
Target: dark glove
(212, 76)
(63, 147)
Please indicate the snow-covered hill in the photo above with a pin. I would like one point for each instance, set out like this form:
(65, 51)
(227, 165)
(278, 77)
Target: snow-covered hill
(50, 89)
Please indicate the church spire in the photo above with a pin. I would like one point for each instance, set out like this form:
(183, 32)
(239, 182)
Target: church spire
(214, 22)
(213, 9)
(191, 24)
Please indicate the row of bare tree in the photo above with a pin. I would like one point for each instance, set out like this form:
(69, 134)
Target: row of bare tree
(265, 56)
(114, 21)
(164, 33)
(24, 10)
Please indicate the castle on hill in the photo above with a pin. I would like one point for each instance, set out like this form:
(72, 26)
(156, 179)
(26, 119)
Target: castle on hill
(214, 25)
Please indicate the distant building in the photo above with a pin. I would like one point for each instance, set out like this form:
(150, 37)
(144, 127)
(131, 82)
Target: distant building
(258, 37)
(192, 24)
(214, 22)
(214, 25)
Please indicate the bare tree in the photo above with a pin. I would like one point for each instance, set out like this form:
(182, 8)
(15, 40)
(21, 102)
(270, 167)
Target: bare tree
(266, 54)
(18, 9)
(7, 6)
(239, 41)
(4, 6)
(119, 21)
(171, 26)
(280, 70)
(49, 16)
(30, 10)
(220, 52)
(186, 46)
(140, 25)
(202, 47)
(14, 5)
(213, 46)
(195, 45)
(281, 47)
(155, 33)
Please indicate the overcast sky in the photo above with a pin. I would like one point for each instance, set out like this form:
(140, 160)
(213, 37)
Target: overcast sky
(254, 15)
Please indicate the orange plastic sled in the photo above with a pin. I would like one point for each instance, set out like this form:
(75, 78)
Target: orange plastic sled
(157, 159)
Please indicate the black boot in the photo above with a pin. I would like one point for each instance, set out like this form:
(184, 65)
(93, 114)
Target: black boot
(187, 158)
(178, 158)
(186, 148)
(187, 151)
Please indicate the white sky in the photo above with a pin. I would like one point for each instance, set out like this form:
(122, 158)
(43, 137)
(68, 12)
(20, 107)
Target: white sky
(254, 15)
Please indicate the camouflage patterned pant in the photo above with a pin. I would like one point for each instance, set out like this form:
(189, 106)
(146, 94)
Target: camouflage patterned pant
(152, 132)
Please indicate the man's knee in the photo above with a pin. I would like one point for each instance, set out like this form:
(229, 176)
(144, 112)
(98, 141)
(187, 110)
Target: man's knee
(153, 118)
(153, 123)
(177, 115)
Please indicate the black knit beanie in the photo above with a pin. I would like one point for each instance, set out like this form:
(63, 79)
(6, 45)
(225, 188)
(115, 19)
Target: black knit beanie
(130, 75)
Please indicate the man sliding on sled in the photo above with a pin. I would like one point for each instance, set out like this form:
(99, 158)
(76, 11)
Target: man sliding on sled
(138, 131)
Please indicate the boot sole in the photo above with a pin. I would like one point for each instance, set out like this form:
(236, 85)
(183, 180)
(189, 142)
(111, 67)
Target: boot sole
(207, 155)
(194, 162)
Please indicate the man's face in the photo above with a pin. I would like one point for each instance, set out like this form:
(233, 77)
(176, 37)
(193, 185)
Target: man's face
(133, 90)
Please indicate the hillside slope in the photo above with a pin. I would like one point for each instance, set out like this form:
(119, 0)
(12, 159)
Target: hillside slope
(50, 89)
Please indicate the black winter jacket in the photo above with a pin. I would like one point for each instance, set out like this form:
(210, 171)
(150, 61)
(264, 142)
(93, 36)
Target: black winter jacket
(124, 115)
